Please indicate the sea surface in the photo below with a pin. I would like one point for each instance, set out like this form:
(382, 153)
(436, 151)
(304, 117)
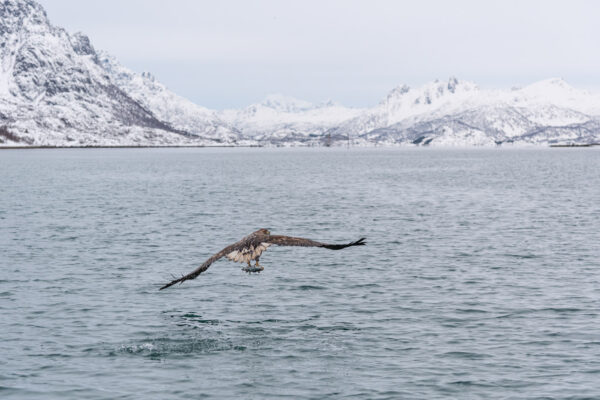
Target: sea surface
(480, 280)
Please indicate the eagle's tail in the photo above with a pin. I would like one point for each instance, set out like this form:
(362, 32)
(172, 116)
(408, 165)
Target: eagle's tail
(359, 242)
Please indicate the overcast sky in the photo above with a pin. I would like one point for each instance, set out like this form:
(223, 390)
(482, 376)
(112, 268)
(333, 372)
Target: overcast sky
(223, 54)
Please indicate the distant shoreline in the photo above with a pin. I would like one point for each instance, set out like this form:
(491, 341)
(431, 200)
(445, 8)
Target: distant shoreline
(261, 146)
(117, 147)
(575, 145)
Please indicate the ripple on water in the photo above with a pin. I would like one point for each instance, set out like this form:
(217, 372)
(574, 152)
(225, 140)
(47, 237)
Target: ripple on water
(166, 348)
(309, 287)
(480, 279)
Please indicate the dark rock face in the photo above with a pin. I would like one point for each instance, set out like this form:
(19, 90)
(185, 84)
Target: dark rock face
(82, 46)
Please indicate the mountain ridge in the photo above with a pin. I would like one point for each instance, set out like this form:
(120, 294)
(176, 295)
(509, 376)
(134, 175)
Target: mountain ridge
(56, 89)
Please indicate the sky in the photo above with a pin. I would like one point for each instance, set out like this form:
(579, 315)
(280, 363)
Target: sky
(229, 54)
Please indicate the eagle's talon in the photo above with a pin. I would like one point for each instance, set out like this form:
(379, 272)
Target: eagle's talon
(253, 268)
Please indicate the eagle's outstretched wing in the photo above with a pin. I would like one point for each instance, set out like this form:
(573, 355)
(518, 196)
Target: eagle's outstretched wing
(296, 241)
(203, 267)
(248, 246)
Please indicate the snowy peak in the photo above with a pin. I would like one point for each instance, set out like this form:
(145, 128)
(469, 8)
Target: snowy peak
(19, 14)
(551, 89)
(55, 90)
(396, 94)
(286, 104)
(82, 45)
(281, 103)
(429, 93)
(404, 102)
(283, 119)
(555, 92)
(552, 83)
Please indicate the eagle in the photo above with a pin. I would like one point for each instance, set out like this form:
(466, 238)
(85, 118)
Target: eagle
(252, 246)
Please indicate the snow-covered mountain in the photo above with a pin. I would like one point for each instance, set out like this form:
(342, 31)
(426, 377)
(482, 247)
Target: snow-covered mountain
(459, 113)
(179, 112)
(57, 90)
(285, 120)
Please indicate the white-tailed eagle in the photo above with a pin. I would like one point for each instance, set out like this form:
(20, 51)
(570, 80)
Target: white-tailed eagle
(252, 246)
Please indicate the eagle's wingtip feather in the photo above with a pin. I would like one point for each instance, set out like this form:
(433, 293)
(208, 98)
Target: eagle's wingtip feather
(171, 284)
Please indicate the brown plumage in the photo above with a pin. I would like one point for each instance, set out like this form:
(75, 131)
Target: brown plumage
(252, 246)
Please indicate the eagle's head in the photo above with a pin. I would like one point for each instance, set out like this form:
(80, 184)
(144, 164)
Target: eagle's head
(263, 231)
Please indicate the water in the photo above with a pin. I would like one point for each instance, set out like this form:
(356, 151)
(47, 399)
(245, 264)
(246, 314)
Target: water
(480, 278)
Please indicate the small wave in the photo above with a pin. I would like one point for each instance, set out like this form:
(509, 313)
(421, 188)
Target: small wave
(429, 278)
(470, 383)
(309, 287)
(464, 354)
(472, 311)
(562, 309)
(364, 285)
(524, 312)
(520, 256)
(193, 318)
(337, 328)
